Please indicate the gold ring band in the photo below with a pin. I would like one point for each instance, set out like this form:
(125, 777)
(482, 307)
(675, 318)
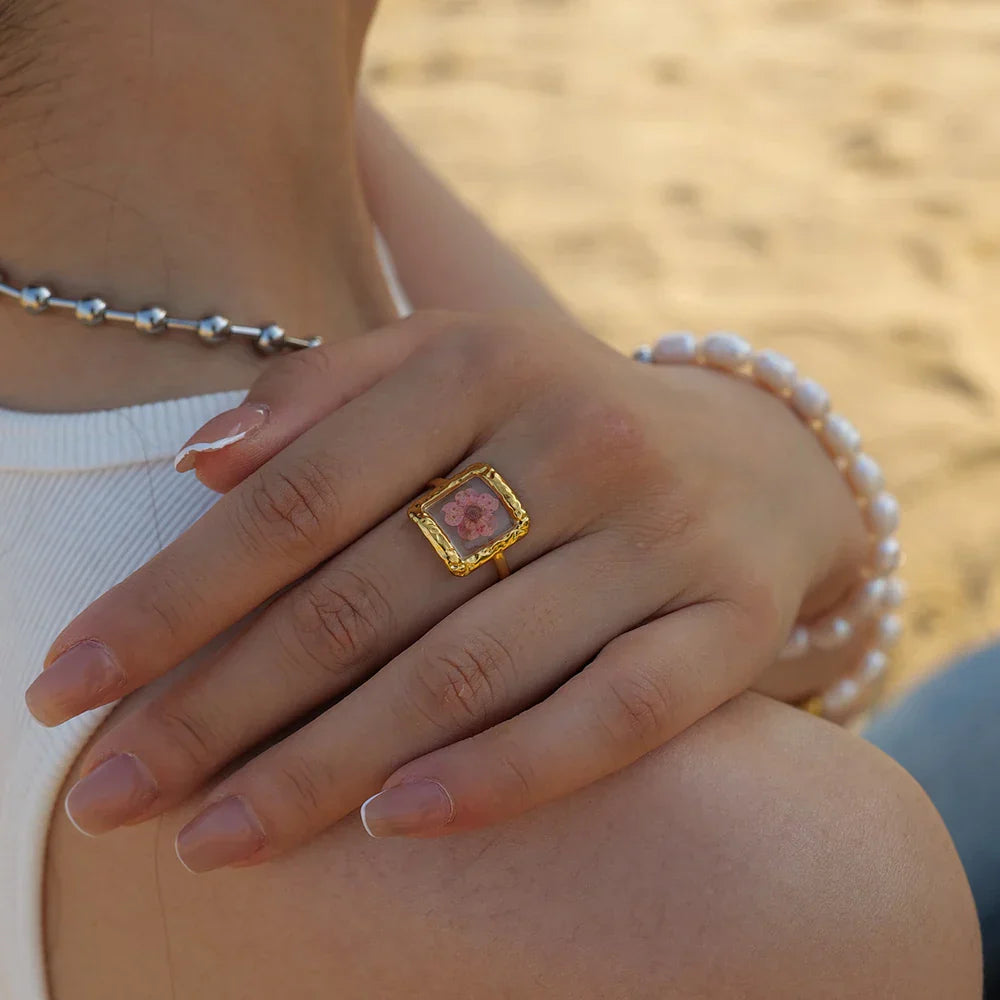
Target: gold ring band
(471, 519)
(503, 570)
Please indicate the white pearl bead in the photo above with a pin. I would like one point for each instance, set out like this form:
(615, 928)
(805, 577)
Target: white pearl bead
(865, 475)
(774, 371)
(810, 400)
(831, 634)
(726, 350)
(797, 645)
(890, 631)
(868, 598)
(839, 699)
(895, 593)
(840, 435)
(874, 664)
(888, 556)
(883, 512)
(676, 349)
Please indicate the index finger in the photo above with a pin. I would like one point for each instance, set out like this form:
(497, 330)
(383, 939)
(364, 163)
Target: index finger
(339, 479)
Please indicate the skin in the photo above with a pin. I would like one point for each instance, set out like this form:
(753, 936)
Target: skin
(761, 855)
(655, 585)
(685, 891)
(124, 120)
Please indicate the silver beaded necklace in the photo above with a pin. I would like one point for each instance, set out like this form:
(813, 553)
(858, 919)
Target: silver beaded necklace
(153, 320)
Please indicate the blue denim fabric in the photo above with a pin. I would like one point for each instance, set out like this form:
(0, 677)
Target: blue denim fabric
(946, 733)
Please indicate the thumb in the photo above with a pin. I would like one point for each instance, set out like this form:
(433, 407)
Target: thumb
(294, 393)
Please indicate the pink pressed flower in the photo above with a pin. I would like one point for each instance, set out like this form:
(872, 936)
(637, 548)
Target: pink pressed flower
(472, 513)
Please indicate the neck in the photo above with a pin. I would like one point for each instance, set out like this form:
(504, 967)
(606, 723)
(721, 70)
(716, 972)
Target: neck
(192, 155)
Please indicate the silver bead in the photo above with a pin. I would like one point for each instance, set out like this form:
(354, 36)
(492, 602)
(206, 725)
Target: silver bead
(888, 556)
(90, 312)
(644, 354)
(890, 631)
(797, 644)
(676, 349)
(35, 298)
(774, 371)
(874, 664)
(895, 593)
(151, 320)
(271, 340)
(213, 330)
(840, 435)
(883, 512)
(832, 634)
(810, 400)
(726, 350)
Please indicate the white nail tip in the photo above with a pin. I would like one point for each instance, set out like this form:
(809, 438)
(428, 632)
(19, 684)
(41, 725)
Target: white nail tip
(206, 447)
(364, 818)
(177, 851)
(76, 826)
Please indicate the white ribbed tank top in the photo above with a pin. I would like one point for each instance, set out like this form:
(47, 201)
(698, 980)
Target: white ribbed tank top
(85, 499)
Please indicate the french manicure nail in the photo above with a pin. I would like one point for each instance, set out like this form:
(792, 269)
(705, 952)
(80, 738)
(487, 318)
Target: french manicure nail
(114, 793)
(222, 432)
(223, 834)
(83, 677)
(411, 809)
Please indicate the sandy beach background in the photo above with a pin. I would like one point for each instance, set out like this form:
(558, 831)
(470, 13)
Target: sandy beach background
(823, 175)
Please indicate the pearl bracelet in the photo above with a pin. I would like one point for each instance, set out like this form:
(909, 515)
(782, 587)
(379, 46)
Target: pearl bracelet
(879, 593)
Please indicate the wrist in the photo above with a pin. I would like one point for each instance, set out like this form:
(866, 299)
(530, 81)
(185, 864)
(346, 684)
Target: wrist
(868, 523)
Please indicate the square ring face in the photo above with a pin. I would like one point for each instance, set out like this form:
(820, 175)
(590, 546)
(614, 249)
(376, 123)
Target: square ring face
(471, 518)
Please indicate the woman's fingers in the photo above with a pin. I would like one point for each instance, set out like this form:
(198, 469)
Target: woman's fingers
(494, 656)
(642, 690)
(293, 394)
(348, 473)
(311, 645)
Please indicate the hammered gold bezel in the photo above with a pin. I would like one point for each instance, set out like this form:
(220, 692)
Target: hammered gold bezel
(459, 565)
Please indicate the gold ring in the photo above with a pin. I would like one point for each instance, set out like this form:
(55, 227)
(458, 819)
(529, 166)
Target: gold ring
(471, 519)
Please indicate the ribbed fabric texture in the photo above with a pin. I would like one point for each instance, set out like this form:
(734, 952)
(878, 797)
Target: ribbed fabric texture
(85, 499)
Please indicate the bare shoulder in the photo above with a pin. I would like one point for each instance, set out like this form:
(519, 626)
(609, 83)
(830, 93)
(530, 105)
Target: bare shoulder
(761, 854)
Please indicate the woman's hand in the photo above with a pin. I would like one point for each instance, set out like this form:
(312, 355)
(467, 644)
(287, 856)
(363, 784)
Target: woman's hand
(681, 520)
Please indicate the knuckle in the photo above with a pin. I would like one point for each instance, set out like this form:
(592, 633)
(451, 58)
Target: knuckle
(338, 619)
(304, 367)
(611, 425)
(303, 786)
(462, 686)
(170, 601)
(520, 780)
(614, 445)
(754, 615)
(184, 730)
(479, 347)
(288, 510)
(639, 710)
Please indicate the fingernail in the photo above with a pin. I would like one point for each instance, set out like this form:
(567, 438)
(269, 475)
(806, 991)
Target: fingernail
(112, 794)
(223, 834)
(408, 810)
(83, 677)
(222, 432)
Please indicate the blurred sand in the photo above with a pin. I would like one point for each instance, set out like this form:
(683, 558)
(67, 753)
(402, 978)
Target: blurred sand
(823, 175)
